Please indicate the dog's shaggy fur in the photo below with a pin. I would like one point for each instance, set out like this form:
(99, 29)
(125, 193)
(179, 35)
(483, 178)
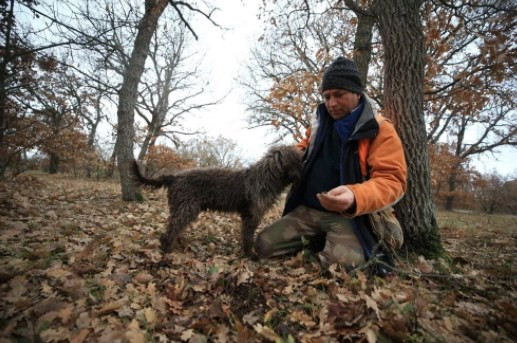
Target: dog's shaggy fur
(249, 192)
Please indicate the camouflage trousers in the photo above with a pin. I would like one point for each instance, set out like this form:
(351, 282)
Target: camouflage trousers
(286, 236)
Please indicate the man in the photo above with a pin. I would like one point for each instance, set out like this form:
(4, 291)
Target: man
(353, 165)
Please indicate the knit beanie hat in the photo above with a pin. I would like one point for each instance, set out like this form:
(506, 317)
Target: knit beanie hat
(342, 74)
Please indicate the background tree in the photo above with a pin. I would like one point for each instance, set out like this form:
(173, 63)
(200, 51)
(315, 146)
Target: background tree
(212, 152)
(18, 133)
(469, 180)
(496, 193)
(91, 121)
(287, 65)
(92, 38)
(163, 160)
(169, 89)
(470, 78)
(129, 91)
(129, 88)
(24, 44)
(55, 104)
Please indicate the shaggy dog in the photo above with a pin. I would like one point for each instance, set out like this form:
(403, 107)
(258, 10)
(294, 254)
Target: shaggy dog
(249, 192)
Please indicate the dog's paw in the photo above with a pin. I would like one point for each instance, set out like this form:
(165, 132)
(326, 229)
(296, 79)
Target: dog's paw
(165, 246)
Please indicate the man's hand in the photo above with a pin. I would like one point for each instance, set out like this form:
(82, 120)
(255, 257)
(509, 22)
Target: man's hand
(338, 199)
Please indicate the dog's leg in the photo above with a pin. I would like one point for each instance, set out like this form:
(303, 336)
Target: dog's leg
(249, 225)
(176, 223)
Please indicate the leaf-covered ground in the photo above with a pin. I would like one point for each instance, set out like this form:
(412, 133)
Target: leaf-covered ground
(80, 265)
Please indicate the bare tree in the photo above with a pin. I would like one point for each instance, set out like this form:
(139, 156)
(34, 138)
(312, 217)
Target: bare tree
(129, 88)
(212, 152)
(32, 31)
(169, 90)
(128, 94)
(497, 193)
(470, 96)
(287, 65)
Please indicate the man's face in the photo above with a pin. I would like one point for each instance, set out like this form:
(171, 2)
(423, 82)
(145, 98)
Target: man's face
(340, 102)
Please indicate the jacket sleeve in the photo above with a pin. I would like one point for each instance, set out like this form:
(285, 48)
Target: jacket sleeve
(387, 173)
(304, 143)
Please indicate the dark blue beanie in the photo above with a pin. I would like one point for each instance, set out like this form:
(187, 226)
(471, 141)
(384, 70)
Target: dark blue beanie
(342, 74)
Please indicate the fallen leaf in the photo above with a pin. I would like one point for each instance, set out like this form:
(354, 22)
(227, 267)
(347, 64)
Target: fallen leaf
(198, 338)
(396, 328)
(134, 333)
(79, 336)
(18, 289)
(66, 313)
(371, 336)
(187, 334)
(424, 266)
(150, 316)
(110, 307)
(83, 321)
(267, 333)
(250, 318)
(121, 279)
(143, 277)
(135, 337)
(199, 288)
(269, 314)
(55, 335)
(244, 277)
(302, 318)
(362, 279)
(222, 334)
(370, 303)
(46, 318)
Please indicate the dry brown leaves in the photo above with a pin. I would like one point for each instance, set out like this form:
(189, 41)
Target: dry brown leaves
(80, 265)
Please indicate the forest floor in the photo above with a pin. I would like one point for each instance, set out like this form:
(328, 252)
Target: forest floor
(78, 264)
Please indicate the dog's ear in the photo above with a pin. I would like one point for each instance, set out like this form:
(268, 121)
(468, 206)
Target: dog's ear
(285, 161)
(295, 167)
(274, 154)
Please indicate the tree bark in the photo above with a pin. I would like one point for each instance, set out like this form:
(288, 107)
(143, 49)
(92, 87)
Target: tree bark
(6, 59)
(363, 43)
(403, 41)
(94, 123)
(148, 142)
(111, 163)
(129, 92)
(54, 164)
(449, 202)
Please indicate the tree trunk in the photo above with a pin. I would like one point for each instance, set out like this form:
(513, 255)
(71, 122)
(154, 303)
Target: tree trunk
(403, 41)
(129, 92)
(449, 202)
(363, 43)
(6, 59)
(111, 163)
(54, 164)
(146, 144)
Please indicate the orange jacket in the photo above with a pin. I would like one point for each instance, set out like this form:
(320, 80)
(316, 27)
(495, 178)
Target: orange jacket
(384, 167)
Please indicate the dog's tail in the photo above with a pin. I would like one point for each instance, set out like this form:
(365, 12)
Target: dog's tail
(154, 183)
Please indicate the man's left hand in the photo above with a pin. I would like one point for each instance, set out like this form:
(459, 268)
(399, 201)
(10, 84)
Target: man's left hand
(338, 199)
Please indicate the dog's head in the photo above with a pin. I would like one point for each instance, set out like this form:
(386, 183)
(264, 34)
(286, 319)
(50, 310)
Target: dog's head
(286, 160)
